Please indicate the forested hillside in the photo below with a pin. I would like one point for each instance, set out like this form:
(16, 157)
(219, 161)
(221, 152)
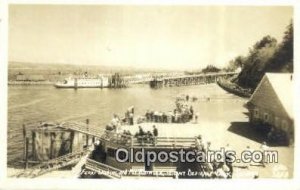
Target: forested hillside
(266, 55)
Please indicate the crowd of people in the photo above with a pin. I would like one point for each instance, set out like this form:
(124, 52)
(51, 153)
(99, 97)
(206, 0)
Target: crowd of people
(142, 135)
(182, 113)
(214, 168)
(116, 121)
(147, 136)
(224, 169)
(115, 124)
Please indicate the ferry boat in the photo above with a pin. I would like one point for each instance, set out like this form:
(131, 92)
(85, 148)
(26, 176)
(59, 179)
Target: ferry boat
(91, 153)
(102, 162)
(84, 82)
(123, 149)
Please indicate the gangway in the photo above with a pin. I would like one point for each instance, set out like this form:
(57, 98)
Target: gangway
(51, 165)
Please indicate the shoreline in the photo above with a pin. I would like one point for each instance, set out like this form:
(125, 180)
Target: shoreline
(30, 83)
(234, 88)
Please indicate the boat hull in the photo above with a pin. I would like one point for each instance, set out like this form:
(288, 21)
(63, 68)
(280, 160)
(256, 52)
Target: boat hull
(83, 83)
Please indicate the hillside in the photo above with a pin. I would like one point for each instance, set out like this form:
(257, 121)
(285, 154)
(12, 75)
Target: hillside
(265, 56)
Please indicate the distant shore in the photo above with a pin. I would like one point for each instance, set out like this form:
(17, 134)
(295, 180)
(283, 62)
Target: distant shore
(30, 83)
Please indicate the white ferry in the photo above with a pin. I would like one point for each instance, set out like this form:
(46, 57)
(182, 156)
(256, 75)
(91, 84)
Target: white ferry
(85, 82)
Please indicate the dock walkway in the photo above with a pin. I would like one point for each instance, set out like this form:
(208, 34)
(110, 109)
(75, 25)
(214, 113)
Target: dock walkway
(128, 140)
(186, 80)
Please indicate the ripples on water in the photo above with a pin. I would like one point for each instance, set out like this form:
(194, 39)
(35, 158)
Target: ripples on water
(30, 104)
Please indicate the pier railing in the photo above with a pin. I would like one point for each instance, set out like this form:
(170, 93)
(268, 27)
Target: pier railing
(163, 142)
(130, 140)
(185, 80)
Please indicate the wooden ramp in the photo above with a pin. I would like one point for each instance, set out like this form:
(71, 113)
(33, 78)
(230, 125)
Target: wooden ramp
(83, 128)
(51, 165)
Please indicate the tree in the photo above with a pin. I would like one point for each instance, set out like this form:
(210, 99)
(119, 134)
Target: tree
(235, 63)
(266, 56)
(283, 58)
(210, 69)
(254, 64)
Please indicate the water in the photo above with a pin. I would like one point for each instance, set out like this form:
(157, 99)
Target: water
(30, 104)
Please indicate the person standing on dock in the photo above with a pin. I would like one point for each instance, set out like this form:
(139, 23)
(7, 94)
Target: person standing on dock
(187, 97)
(155, 131)
(131, 115)
(151, 116)
(155, 134)
(115, 122)
(127, 117)
(156, 115)
(147, 116)
(196, 117)
(228, 159)
(131, 109)
(263, 148)
(131, 119)
(141, 135)
(191, 113)
(164, 117)
(250, 152)
(141, 131)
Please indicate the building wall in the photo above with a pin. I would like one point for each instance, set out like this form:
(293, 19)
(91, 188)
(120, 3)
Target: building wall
(268, 109)
(266, 98)
(263, 115)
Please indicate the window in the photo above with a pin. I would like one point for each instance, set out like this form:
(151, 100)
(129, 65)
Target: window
(284, 125)
(277, 122)
(256, 113)
(266, 117)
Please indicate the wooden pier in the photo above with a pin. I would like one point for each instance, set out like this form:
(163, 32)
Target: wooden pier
(187, 80)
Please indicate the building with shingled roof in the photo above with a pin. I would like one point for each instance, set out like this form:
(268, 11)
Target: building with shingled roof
(271, 104)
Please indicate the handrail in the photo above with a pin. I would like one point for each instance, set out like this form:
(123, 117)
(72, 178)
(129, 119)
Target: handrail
(51, 165)
(128, 140)
(200, 75)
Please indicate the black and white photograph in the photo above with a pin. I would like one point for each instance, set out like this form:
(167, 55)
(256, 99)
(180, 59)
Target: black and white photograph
(150, 91)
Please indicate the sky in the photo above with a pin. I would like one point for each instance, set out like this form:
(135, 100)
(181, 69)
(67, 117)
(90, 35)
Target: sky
(163, 37)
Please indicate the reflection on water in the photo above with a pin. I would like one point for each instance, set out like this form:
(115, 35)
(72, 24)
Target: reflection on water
(30, 104)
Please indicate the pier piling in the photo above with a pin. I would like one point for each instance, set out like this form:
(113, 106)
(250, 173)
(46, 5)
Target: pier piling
(87, 128)
(26, 152)
(187, 80)
(24, 139)
(51, 147)
(33, 149)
